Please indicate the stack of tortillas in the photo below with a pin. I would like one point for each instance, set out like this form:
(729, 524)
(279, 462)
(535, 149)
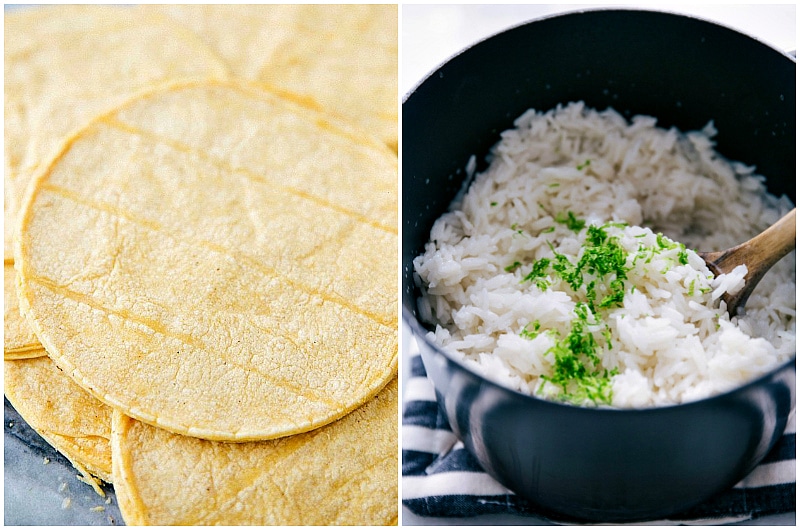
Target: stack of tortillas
(201, 255)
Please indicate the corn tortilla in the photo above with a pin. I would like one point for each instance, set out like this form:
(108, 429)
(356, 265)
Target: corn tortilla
(218, 261)
(63, 64)
(67, 417)
(342, 57)
(19, 341)
(342, 474)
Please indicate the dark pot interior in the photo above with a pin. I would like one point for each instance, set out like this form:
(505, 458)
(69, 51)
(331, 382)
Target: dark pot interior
(592, 464)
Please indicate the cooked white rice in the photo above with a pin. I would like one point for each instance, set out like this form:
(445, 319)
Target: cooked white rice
(670, 340)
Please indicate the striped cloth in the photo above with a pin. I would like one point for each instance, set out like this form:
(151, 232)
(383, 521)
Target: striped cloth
(440, 478)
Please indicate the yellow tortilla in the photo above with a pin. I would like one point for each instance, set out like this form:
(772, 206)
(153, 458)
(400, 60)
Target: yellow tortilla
(341, 474)
(217, 261)
(68, 418)
(343, 57)
(64, 64)
(19, 341)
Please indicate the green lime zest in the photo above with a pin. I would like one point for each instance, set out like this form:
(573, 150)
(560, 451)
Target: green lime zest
(576, 368)
(572, 222)
(533, 332)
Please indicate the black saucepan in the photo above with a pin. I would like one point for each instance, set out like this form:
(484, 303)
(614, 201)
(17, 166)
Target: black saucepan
(600, 464)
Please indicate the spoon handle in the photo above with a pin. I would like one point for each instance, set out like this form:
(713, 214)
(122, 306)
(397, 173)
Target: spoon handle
(759, 254)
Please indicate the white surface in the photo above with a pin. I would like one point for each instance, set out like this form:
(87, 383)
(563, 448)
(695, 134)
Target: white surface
(431, 34)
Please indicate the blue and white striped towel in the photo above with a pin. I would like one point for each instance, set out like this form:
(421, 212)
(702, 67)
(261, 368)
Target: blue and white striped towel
(441, 479)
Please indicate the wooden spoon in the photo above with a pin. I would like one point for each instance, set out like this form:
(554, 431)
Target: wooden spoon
(759, 254)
